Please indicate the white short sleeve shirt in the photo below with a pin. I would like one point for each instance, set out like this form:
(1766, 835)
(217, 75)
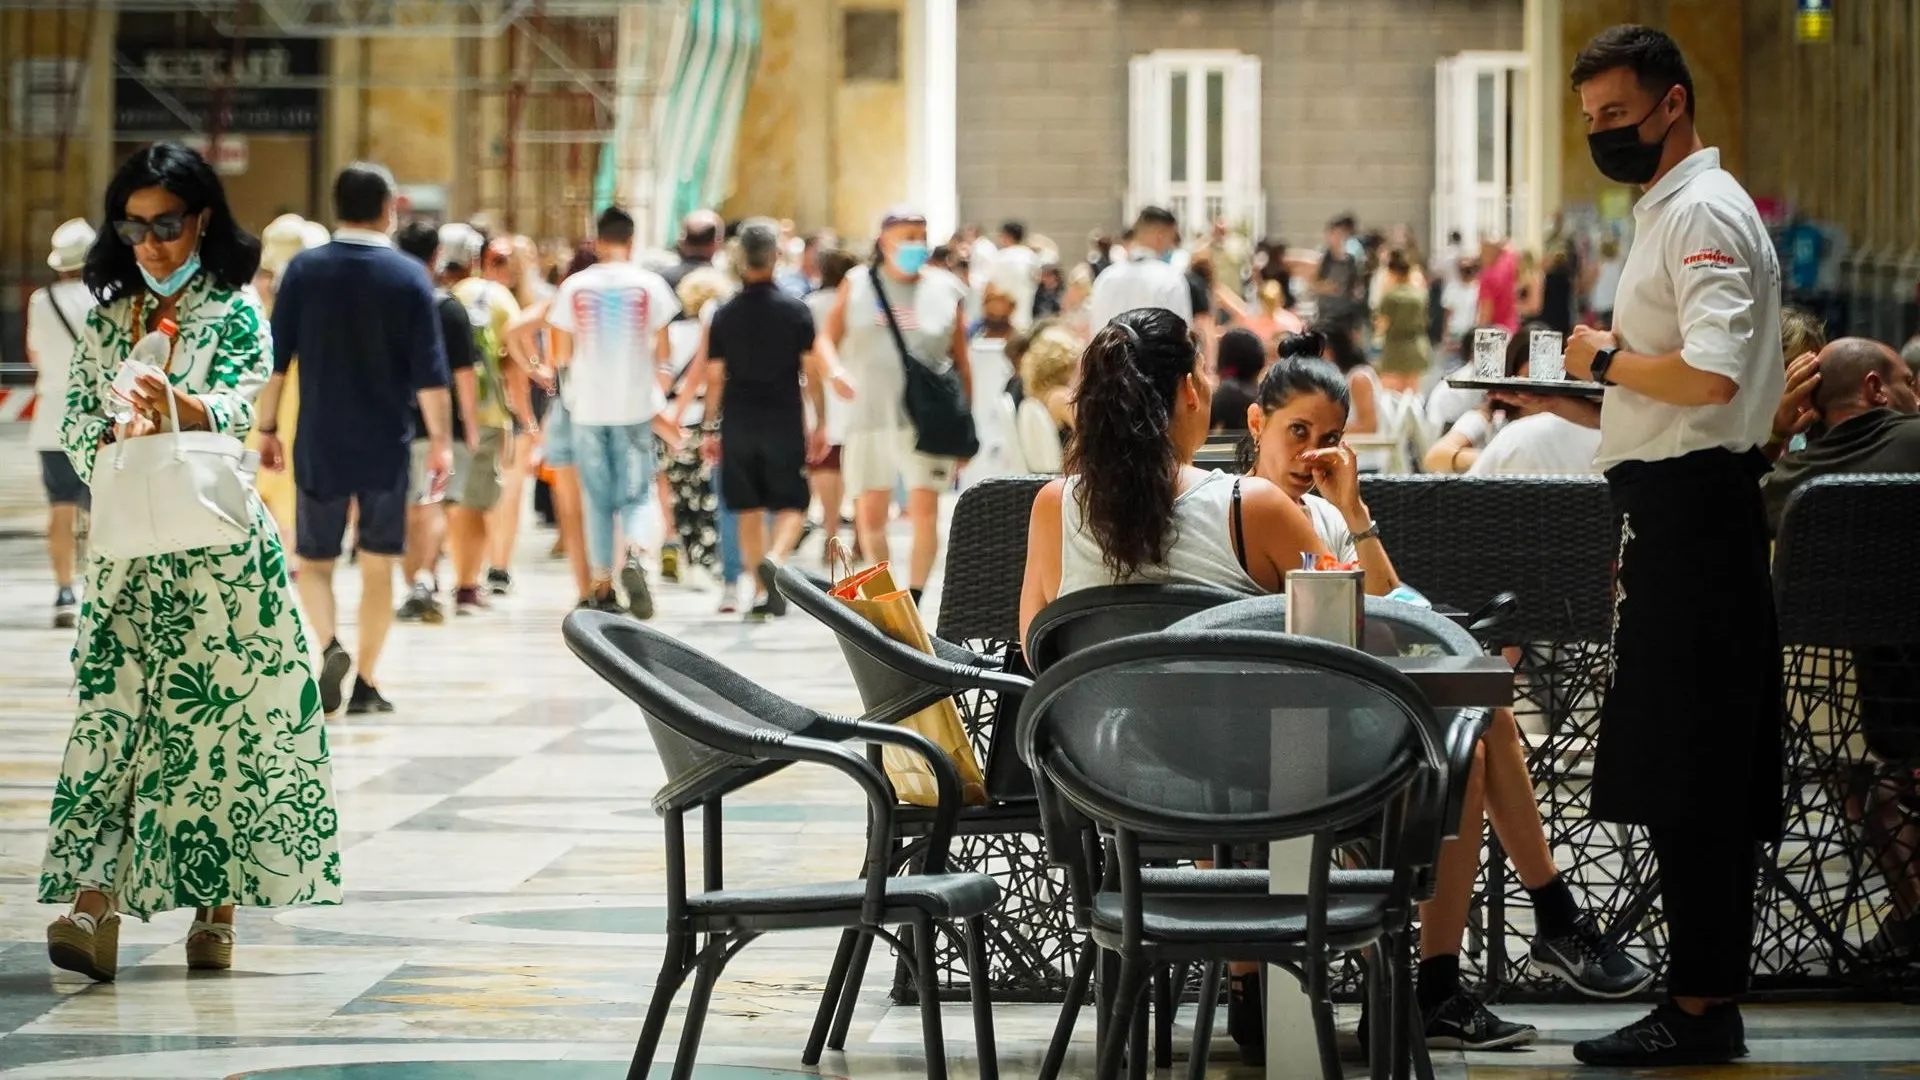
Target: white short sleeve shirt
(1142, 283)
(613, 310)
(1702, 280)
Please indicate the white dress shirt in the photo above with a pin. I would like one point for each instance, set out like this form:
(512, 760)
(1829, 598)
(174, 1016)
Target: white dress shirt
(1539, 445)
(1702, 280)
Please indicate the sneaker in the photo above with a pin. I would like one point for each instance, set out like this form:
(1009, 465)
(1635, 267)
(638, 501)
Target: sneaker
(604, 599)
(468, 602)
(334, 665)
(499, 582)
(775, 603)
(1588, 962)
(730, 598)
(633, 578)
(66, 610)
(421, 607)
(1462, 1022)
(366, 699)
(759, 612)
(670, 565)
(1670, 1036)
(1897, 942)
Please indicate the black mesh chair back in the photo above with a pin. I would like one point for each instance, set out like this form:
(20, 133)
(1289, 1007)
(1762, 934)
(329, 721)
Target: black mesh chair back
(1227, 736)
(987, 559)
(1835, 531)
(1091, 617)
(707, 720)
(1560, 566)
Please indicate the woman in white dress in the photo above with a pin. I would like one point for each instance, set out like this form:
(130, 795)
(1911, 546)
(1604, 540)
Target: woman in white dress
(197, 772)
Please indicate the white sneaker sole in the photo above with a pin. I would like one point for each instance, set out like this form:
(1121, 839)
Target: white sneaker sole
(1565, 975)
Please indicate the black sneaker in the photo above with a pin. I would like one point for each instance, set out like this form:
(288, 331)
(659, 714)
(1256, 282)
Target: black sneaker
(499, 582)
(366, 700)
(605, 601)
(66, 610)
(1670, 1036)
(775, 603)
(633, 578)
(1588, 962)
(421, 607)
(1897, 942)
(1463, 1023)
(334, 665)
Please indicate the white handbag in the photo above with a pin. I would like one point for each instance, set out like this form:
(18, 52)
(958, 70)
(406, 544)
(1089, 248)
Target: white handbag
(171, 491)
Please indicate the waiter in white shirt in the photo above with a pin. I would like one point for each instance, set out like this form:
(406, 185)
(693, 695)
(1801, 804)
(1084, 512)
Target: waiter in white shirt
(1692, 725)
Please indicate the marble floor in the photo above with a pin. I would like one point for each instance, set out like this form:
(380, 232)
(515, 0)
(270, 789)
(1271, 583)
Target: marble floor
(504, 872)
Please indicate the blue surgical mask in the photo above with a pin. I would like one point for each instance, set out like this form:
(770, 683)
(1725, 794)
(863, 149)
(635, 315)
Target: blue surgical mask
(175, 281)
(909, 258)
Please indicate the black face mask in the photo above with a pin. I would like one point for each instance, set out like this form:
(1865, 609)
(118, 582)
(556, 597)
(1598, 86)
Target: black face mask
(1620, 155)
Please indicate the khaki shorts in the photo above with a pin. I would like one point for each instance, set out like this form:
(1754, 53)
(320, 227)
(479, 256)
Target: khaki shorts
(475, 483)
(876, 460)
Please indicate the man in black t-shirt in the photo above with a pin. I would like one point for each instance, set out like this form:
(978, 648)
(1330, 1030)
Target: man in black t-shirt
(426, 491)
(760, 356)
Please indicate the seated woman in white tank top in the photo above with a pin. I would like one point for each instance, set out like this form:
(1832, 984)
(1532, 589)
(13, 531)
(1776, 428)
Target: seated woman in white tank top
(1132, 508)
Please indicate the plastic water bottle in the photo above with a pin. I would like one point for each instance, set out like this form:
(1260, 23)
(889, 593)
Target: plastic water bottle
(150, 355)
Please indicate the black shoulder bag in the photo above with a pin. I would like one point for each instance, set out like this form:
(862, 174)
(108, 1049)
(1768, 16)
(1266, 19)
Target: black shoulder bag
(935, 402)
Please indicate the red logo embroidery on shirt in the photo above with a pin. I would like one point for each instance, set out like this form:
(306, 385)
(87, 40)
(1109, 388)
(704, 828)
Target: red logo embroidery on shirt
(1708, 257)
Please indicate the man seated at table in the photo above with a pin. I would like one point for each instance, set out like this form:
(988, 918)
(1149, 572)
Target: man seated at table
(1868, 421)
(1862, 396)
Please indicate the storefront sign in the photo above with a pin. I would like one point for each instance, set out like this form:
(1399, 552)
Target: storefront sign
(169, 88)
(1813, 22)
(229, 156)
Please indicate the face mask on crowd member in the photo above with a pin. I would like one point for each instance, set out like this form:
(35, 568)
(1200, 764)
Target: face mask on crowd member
(903, 241)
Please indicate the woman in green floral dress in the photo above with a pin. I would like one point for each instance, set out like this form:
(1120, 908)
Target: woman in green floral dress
(197, 771)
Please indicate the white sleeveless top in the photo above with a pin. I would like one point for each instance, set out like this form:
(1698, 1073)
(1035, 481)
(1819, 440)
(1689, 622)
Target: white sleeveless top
(1201, 552)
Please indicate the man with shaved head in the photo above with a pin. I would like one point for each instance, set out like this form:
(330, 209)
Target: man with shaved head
(1863, 397)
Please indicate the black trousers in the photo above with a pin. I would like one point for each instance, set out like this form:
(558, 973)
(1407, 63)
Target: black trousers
(1708, 874)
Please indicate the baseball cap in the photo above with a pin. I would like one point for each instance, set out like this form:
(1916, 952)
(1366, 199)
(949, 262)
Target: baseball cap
(460, 245)
(901, 214)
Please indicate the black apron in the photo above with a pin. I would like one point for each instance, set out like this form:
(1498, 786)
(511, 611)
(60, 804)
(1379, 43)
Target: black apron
(1694, 723)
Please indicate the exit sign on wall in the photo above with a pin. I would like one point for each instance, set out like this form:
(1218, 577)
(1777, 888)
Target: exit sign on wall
(1813, 21)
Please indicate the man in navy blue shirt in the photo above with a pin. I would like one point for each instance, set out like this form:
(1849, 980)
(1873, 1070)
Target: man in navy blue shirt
(361, 318)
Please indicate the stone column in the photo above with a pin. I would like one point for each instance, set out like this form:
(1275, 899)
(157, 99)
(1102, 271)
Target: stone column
(1547, 105)
(931, 31)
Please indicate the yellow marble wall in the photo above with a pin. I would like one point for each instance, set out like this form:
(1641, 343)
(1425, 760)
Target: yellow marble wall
(1709, 33)
(812, 146)
(765, 177)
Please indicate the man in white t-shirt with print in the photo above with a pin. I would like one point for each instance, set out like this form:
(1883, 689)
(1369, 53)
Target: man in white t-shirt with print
(609, 326)
(1149, 279)
(56, 317)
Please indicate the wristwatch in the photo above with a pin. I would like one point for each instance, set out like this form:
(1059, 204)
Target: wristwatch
(1603, 360)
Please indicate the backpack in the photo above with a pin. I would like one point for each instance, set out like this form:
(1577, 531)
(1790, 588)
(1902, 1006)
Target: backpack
(491, 410)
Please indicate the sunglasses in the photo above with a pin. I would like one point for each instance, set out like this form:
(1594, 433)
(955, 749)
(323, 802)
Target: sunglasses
(166, 228)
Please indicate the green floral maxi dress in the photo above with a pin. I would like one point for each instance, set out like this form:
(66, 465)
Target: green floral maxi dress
(197, 770)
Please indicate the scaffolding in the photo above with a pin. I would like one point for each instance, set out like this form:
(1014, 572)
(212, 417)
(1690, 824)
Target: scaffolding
(547, 97)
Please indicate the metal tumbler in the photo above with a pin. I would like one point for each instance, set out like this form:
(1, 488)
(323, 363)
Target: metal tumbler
(1327, 604)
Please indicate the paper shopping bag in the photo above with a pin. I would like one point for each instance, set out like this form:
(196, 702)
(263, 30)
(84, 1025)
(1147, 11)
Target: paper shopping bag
(873, 596)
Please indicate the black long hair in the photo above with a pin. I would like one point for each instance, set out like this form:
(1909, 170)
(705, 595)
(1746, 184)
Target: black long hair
(1121, 450)
(1287, 379)
(228, 253)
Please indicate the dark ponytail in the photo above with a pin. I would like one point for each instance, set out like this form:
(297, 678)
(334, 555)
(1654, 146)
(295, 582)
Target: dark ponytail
(1287, 379)
(1122, 452)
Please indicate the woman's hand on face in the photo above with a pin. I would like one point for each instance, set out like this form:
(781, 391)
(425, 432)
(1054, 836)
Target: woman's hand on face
(1336, 473)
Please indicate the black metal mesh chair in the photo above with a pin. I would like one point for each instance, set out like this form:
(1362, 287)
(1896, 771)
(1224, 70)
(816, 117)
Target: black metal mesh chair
(1223, 737)
(1850, 626)
(716, 732)
(896, 680)
(987, 559)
